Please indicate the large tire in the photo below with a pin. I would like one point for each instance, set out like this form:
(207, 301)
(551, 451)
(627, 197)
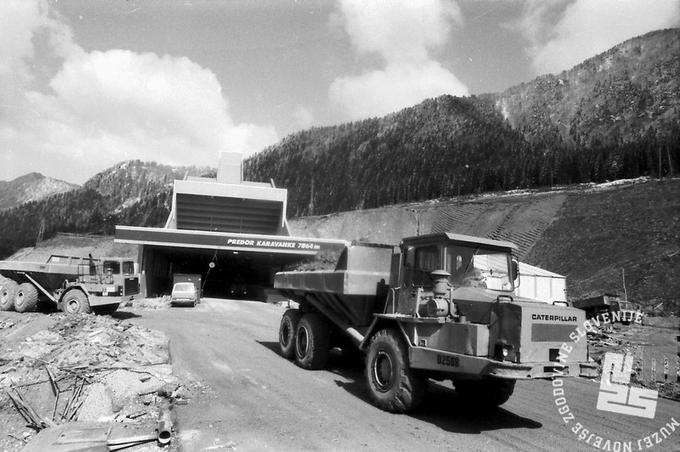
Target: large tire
(26, 298)
(393, 385)
(312, 342)
(7, 290)
(287, 329)
(75, 302)
(485, 393)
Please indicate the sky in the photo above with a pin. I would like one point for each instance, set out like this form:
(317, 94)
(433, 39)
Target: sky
(85, 84)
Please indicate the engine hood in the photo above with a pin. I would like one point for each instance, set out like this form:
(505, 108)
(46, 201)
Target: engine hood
(477, 303)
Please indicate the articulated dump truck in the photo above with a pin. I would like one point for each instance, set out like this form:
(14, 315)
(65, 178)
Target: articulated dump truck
(438, 306)
(73, 284)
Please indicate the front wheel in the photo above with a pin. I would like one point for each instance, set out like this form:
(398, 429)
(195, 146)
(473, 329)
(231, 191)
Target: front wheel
(289, 324)
(393, 385)
(75, 302)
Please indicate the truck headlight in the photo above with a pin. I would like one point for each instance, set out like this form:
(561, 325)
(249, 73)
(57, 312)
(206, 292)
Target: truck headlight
(502, 350)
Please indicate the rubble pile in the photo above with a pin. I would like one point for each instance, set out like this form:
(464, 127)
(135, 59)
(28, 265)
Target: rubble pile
(635, 340)
(84, 368)
(162, 302)
(82, 342)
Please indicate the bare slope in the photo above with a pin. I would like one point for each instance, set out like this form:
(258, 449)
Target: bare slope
(588, 232)
(634, 229)
(520, 218)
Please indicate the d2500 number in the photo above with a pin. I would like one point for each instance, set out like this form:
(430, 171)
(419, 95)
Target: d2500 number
(451, 361)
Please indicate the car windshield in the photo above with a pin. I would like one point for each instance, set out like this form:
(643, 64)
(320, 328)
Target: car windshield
(479, 267)
(183, 287)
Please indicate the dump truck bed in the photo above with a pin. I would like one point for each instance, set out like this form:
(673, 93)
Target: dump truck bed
(340, 282)
(46, 274)
(351, 293)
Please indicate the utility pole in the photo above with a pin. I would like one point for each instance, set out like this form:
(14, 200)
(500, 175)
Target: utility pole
(41, 231)
(623, 277)
(311, 197)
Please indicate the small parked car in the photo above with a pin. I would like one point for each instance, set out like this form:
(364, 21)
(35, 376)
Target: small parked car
(184, 293)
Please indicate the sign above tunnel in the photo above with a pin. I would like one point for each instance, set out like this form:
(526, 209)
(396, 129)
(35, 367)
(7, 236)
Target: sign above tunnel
(225, 241)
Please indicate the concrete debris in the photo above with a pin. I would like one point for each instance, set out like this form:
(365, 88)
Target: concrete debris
(97, 405)
(6, 324)
(646, 344)
(83, 368)
(125, 384)
(83, 342)
(153, 303)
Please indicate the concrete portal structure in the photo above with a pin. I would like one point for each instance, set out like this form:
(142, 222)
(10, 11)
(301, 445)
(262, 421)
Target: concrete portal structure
(232, 232)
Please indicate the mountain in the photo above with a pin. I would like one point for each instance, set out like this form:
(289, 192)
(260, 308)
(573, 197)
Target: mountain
(615, 97)
(130, 193)
(30, 187)
(131, 181)
(616, 115)
(442, 146)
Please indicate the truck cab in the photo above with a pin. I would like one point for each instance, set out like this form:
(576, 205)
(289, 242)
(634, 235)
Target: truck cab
(469, 262)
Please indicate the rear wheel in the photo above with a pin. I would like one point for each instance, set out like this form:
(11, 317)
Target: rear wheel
(289, 324)
(312, 342)
(26, 297)
(75, 302)
(393, 385)
(7, 290)
(485, 393)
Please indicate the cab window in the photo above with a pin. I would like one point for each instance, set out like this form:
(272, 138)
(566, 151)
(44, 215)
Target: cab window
(427, 258)
(420, 262)
(112, 267)
(128, 267)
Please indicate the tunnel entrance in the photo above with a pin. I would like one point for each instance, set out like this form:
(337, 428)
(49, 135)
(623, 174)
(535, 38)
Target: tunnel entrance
(231, 232)
(234, 274)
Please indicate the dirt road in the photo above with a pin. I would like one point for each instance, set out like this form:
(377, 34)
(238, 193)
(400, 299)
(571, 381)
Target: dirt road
(256, 400)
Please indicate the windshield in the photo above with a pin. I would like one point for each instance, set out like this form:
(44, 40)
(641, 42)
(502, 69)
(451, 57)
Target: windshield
(112, 267)
(479, 267)
(183, 287)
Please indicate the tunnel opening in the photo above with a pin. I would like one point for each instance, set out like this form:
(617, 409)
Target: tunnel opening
(233, 274)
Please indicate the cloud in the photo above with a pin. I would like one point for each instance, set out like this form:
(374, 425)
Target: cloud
(402, 34)
(303, 116)
(380, 92)
(101, 107)
(563, 34)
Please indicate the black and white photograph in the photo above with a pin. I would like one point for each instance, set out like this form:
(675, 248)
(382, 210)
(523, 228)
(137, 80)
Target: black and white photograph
(339, 225)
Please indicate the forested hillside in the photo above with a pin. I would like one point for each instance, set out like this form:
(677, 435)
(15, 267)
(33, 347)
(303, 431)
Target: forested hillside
(617, 115)
(442, 146)
(130, 193)
(627, 94)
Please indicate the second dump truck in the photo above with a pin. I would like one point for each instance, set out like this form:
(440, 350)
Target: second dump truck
(438, 306)
(74, 284)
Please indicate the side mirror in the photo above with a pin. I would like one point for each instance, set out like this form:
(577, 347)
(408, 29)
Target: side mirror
(515, 270)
